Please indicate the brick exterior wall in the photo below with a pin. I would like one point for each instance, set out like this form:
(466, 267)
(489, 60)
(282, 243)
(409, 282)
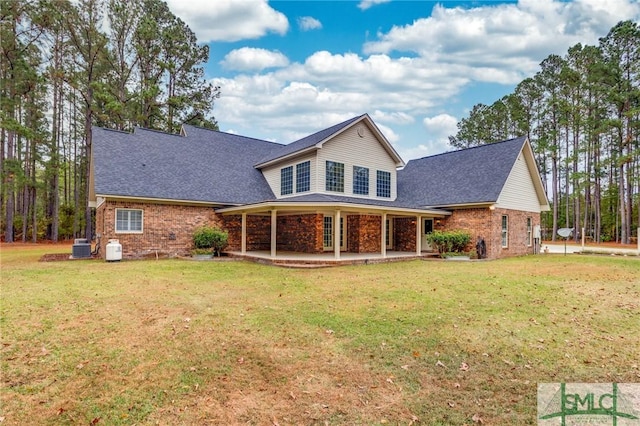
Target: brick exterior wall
(404, 234)
(167, 229)
(364, 234)
(301, 233)
(486, 223)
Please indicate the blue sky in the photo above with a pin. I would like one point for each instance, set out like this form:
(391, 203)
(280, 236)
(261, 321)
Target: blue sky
(290, 68)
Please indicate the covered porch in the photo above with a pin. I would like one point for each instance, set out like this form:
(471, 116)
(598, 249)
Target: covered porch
(328, 232)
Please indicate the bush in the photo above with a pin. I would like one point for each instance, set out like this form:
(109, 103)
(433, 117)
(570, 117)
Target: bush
(211, 238)
(449, 242)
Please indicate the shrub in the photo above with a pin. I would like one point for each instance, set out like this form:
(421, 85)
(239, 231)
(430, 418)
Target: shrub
(449, 242)
(207, 237)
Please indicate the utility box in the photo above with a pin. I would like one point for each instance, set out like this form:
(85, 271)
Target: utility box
(81, 250)
(114, 251)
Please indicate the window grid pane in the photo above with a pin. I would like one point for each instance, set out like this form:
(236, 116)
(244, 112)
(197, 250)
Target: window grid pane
(360, 180)
(128, 220)
(327, 234)
(286, 180)
(334, 177)
(529, 233)
(505, 229)
(383, 184)
(135, 220)
(303, 177)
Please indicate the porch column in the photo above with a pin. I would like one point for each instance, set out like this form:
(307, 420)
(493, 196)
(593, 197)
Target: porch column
(274, 233)
(418, 235)
(383, 238)
(243, 244)
(336, 235)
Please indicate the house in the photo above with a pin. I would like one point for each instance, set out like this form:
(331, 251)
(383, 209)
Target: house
(341, 190)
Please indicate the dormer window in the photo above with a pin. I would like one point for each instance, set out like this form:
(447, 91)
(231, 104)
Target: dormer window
(286, 180)
(334, 176)
(383, 184)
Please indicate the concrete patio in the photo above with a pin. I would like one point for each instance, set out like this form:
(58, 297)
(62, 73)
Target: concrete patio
(316, 260)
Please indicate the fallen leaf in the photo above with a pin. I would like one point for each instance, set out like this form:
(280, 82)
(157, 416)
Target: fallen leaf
(451, 404)
(241, 360)
(456, 385)
(405, 367)
(95, 421)
(329, 331)
(440, 364)
(464, 366)
(389, 380)
(477, 419)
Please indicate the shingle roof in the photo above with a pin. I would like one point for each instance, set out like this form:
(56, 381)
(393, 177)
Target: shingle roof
(307, 141)
(469, 176)
(204, 165)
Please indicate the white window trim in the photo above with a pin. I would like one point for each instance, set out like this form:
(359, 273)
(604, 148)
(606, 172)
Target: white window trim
(529, 232)
(127, 231)
(504, 242)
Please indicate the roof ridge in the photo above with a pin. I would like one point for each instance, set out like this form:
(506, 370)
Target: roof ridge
(233, 134)
(468, 149)
(112, 130)
(155, 131)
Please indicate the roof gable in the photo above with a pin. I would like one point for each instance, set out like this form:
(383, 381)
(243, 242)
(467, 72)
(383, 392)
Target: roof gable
(316, 140)
(466, 177)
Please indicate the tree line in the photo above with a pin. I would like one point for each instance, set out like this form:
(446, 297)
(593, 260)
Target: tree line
(581, 112)
(66, 66)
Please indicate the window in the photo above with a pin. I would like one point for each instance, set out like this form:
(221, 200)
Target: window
(360, 180)
(505, 231)
(128, 220)
(286, 180)
(529, 233)
(303, 177)
(383, 184)
(327, 232)
(334, 177)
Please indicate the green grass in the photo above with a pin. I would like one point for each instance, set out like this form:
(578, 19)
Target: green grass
(182, 342)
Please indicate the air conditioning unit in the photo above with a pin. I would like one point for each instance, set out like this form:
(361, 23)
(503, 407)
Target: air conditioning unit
(81, 250)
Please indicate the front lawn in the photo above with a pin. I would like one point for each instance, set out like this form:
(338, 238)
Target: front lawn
(421, 342)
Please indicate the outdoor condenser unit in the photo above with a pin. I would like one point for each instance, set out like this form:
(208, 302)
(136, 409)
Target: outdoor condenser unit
(81, 248)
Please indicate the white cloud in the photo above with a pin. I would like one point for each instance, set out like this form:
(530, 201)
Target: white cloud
(307, 23)
(450, 50)
(396, 117)
(253, 59)
(441, 126)
(506, 42)
(230, 20)
(366, 4)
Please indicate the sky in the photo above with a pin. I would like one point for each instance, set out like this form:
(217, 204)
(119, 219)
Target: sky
(290, 68)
